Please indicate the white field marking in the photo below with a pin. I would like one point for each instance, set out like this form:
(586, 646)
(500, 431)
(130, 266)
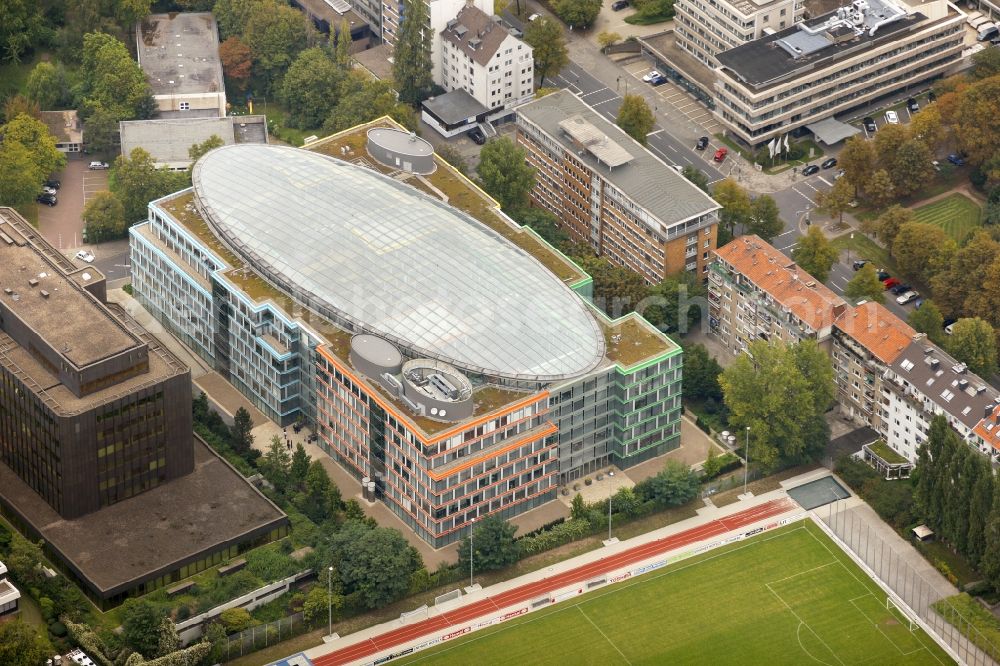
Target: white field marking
(798, 637)
(802, 573)
(875, 624)
(601, 632)
(820, 638)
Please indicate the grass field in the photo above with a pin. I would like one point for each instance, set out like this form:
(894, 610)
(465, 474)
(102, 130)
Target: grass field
(957, 214)
(785, 597)
(862, 247)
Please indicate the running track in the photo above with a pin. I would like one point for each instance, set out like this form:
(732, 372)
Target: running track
(585, 572)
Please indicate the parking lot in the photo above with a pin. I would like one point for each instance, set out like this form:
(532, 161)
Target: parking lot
(673, 97)
(62, 224)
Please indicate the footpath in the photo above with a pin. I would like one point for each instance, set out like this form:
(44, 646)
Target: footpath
(617, 561)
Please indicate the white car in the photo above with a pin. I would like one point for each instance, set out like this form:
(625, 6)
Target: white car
(652, 75)
(98, 165)
(892, 117)
(534, 17)
(905, 298)
(50, 190)
(84, 255)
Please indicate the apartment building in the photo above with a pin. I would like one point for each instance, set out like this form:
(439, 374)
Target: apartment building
(480, 56)
(757, 293)
(614, 194)
(704, 28)
(825, 66)
(447, 356)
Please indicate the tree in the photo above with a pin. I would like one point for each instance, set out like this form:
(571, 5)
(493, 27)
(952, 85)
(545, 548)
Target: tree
(606, 38)
(735, 202)
(19, 176)
(815, 255)
(782, 393)
(236, 620)
(237, 63)
(887, 225)
(141, 627)
(915, 246)
(959, 279)
(34, 135)
(578, 13)
(375, 562)
(452, 156)
(857, 159)
(990, 562)
(985, 64)
(636, 118)
(505, 173)
(837, 200)
(21, 644)
(911, 167)
(300, 465)
(674, 485)
(276, 464)
(411, 66)
(111, 78)
(276, 34)
(240, 432)
(322, 498)
(929, 320)
(926, 126)
(310, 88)
(19, 104)
(137, 181)
(45, 86)
(169, 641)
(879, 189)
(548, 47)
(973, 122)
(985, 303)
(865, 285)
(974, 343)
(104, 217)
(991, 213)
(342, 48)
(319, 603)
(674, 304)
(696, 176)
(362, 99)
(545, 224)
(578, 509)
(22, 25)
(980, 503)
(494, 545)
(701, 374)
(617, 290)
(197, 150)
(764, 219)
(886, 143)
(101, 130)
(233, 15)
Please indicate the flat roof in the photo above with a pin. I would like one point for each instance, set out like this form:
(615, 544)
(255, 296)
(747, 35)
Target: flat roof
(168, 141)
(645, 179)
(147, 535)
(70, 319)
(331, 11)
(180, 53)
(453, 107)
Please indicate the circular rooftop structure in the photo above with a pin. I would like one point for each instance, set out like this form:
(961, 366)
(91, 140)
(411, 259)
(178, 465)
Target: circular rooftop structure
(401, 150)
(380, 257)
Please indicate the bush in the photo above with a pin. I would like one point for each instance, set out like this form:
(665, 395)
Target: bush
(236, 620)
(57, 629)
(560, 534)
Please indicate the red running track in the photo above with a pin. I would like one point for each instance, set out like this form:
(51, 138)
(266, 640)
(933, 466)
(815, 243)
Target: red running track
(584, 572)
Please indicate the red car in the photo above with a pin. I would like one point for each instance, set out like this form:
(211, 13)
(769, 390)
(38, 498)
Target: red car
(890, 282)
(720, 154)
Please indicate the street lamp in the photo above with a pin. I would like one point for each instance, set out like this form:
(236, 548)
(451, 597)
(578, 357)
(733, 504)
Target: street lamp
(329, 601)
(849, 249)
(611, 475)
(471, 531)
(746, 467)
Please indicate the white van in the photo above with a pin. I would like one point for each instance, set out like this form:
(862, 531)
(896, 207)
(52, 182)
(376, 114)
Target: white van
(987, 31)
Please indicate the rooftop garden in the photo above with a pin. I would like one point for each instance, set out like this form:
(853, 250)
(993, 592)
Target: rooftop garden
(637, 342)
(886, 453)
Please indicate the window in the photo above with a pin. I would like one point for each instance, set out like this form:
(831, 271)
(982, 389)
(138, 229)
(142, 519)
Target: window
(185, 106)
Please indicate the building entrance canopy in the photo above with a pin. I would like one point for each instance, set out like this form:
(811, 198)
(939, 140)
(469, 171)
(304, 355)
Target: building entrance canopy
(831, 131)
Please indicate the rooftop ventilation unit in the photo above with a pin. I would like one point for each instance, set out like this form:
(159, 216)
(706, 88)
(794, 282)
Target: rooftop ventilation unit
(959, 369)
(935, 364)
(33, 282)
(44, 293)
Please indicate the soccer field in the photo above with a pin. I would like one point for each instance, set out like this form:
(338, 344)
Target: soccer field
(785, 597)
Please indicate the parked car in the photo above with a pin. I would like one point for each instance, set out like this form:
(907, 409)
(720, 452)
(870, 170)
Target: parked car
(957, 160)
(476, 135)
(859, 264)
(720, 154)
(649, 76)
(892, 117)
(882, 275)
(54, 184)
(810, 170)
(84, 255)
(949, 326)
(890, 283)
(900, 288)
(47, 199)
(619, 5)
(869, 124)
(912, 105)
(829, 164)
(48, 190)
(702, 143)
(534, 17)
(98, 165)
(918, 303)
(839, 174)
(906, 297)
(658, 80)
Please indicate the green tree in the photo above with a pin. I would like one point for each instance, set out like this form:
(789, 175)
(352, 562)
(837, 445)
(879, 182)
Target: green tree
(111, 78)
(196, 150)
(696, 176)
(735, 202)
(20, 176)
(887, 225)
(990, 562)
(452, 156)
(34, 135)
(45, 85)
(782, 393)
(23, 560)
(911, 167)
(973, 342)
(837, 200)
(233, 15)
(985, 64)
(237, 63)
(236, 620)
(959, 280)
(169, 640)
(22, 26)
(240, 434)
(411, 65)
(310, 88)
(19, 104)
(928, 319)
(578, 509)
(879, 189)
(141, 627)
(674, 485)
(764, 219)
(927, 126)
(548, 45)
(362, 100)
(815, 255)
(342, 46)
(544, 222)
(101, 130)
(376, 563)
(857, 159)
(322, 497)
(104, 217)
(980, 503)
(636, 118)
(701, 374)
(300, 465)
(617, 290)
(319, 603)
(494, 545)
(865, 285)
(137, 181)
(276, 464)
(606, 38)
(505, 173)
(915, 246)
(276, 34)
(673, 305)
(578, 13)
(21, 644)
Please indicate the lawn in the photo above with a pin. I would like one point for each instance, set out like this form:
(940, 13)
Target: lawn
(957, 214)
(785, 597)
(862, 247)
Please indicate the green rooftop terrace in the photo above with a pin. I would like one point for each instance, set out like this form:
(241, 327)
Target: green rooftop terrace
(639, 341)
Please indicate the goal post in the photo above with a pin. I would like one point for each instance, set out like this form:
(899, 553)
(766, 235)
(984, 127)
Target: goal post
(899, 610)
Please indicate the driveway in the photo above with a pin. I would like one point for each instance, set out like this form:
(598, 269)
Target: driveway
(62, 225)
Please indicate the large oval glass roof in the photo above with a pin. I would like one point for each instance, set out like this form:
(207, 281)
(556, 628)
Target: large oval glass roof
(396, 262)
